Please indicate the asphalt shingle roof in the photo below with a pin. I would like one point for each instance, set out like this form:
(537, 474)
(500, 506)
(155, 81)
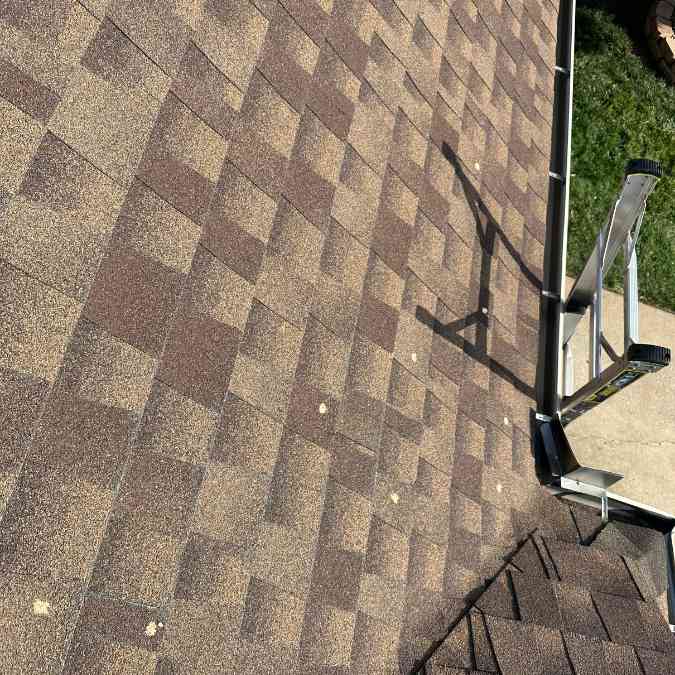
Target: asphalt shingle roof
(269, 315)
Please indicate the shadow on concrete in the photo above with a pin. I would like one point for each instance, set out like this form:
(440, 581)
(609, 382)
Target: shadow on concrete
(488, 232)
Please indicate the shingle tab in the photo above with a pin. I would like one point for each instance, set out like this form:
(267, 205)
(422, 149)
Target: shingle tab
(634, 622)
(589, 656)
(527, 647)
(592, 568)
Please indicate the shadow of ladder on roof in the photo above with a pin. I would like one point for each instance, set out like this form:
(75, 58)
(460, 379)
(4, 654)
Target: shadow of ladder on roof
(488, 230)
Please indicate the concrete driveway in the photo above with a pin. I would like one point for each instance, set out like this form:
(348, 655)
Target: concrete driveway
(633, 433)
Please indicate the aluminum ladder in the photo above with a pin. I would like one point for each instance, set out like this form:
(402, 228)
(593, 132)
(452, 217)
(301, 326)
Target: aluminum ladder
(621, 230)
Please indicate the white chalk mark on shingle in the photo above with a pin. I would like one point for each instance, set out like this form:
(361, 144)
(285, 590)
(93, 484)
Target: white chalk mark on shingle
(394, 497)
(323, 408)
(40, 607)
(413, 356)
(151, 629)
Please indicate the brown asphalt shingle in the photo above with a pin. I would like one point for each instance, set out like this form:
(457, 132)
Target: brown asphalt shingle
(269, 308)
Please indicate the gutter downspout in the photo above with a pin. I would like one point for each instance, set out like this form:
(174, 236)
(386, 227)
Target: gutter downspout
(549, 375)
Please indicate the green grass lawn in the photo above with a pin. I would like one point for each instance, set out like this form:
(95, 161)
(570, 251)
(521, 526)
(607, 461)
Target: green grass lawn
(622, 110)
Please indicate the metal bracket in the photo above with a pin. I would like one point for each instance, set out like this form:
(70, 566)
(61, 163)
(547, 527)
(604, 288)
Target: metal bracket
(551, 296)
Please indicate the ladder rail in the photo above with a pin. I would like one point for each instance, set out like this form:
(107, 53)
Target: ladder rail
(626, 212)
(595, 342)
(631, 299)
